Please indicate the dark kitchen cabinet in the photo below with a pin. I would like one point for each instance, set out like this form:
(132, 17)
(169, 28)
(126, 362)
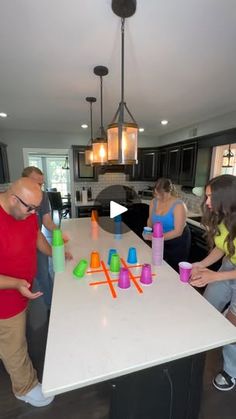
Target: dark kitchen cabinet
(173, 163)
(149, 164)
(135, 169)
(82, 172)
(188, 154)
(4, 169)
(162, 156)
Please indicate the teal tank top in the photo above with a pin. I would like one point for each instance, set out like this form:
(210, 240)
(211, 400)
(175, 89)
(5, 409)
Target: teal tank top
(167, 220)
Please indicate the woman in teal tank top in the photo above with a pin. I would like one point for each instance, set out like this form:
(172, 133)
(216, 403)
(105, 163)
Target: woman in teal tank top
(219, 218)
(172, 213)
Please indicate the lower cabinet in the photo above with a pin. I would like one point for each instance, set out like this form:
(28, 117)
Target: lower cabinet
(171, 390)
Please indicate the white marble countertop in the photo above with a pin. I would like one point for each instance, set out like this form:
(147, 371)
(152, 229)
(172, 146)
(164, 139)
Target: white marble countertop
(94, 337)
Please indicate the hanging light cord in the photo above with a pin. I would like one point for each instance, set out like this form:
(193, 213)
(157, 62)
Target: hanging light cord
(91, 122)
(101, 102)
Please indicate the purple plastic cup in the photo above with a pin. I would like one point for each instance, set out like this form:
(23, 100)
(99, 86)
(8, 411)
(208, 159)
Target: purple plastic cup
(185, 270)
(157, 230)
(146, 274)
(124, 280)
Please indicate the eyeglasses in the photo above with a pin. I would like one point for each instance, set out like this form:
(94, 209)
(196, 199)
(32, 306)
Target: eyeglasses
(29, 207)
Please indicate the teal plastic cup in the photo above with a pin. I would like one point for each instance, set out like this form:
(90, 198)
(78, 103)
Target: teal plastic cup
(80, 269)
(57, 239)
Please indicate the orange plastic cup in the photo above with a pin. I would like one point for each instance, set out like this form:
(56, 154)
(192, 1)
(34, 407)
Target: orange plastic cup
(94, 215)
(95, 260)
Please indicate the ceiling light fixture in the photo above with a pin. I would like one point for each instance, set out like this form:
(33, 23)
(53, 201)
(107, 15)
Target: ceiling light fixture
(141, 129)
(84, 126)
(164, 122)
(122, 136)
(3, 114)
(66, 164)
(89, 148)
(228, 158)
(100, 143)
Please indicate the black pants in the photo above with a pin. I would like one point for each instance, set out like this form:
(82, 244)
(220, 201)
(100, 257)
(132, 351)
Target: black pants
(178, 249)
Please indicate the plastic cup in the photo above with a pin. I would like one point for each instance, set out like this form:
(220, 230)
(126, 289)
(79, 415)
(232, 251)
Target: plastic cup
(115, 263)
(185, 270)
(147, 230)
(111, 252)
(80, 269)
(117, 219)
(146, 274)
(94, 215)
(94, 260)
(57, 239)
(124, 280)
(132, 255)
(157, 230)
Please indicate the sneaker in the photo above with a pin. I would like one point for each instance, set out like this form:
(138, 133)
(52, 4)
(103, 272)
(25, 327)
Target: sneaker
(35, 397)
(223, 381)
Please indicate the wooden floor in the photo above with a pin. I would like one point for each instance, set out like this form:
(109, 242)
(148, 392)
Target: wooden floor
(93, 402)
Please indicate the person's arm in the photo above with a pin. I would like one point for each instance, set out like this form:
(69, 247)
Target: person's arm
(43, 245)
(202, 276)
(48, 222)
(21, 285)
(180, 216)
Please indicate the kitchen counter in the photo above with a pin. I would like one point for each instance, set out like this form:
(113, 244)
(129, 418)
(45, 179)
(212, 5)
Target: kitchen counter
(94, 336)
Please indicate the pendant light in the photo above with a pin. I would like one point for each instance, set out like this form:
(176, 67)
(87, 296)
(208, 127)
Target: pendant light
(228, 158)
(100, 143)
(66, 164)
(89, 149)
(122, 136)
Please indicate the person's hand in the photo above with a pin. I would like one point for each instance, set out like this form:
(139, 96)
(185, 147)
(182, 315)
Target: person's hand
(68, 255)
(65, 237)
(23, 288)
(202, 276)
(195, 268)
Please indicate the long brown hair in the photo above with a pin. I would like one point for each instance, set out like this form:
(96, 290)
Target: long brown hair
(223, 203)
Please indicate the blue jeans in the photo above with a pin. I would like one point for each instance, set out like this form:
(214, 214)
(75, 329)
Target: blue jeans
(219, 294)
(44, 280)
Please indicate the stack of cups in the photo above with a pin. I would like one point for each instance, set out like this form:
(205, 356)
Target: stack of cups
(58, 251)
(157, 244)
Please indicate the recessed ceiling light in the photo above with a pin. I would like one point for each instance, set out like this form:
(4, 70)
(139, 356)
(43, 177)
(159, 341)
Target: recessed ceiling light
(141, 129)
(84, 126)
(164, 122)
(3, 115)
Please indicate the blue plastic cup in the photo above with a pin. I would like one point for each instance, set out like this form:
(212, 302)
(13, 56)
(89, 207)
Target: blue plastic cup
(132, 255)
(111, 252)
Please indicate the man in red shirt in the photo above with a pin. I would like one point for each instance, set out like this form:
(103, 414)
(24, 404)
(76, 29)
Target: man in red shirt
(20, 237)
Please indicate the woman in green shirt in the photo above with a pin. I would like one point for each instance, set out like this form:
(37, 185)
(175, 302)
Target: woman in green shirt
(219, 218)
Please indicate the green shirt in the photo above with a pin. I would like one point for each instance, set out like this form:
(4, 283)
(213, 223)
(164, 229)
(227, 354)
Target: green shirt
(221, 244)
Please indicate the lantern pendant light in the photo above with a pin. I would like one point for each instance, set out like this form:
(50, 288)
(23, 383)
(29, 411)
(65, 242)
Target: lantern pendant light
(228, 158)
(122, 136)
(89, 150)
(100, 143)
(66, 164)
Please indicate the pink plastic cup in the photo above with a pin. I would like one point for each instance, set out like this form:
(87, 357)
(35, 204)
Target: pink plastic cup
(185, 270)
(146, 274)
(157, 230)
(124, 280)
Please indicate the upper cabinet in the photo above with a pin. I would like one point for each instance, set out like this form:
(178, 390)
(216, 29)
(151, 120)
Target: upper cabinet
(149, 163)
(173, 163)
(4, 169)
(188, 154)
(82, 172)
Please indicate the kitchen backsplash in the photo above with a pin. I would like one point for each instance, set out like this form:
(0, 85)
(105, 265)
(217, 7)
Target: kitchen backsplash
(193, 202)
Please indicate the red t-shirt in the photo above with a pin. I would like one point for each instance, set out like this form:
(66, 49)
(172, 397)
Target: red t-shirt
(18, 239)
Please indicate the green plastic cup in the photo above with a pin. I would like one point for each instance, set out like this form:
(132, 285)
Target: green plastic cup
(80, 269)
(57, 239)
(115, 263)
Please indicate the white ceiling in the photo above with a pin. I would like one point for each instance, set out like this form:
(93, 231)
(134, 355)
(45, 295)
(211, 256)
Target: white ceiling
(180, 62)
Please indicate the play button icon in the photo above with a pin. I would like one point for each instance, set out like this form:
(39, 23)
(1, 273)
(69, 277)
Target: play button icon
(116, 209)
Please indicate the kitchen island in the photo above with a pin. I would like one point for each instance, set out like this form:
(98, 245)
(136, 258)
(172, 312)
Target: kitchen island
(148, 343)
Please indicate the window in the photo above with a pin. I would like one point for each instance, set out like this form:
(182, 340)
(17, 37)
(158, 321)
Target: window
(51, 166)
